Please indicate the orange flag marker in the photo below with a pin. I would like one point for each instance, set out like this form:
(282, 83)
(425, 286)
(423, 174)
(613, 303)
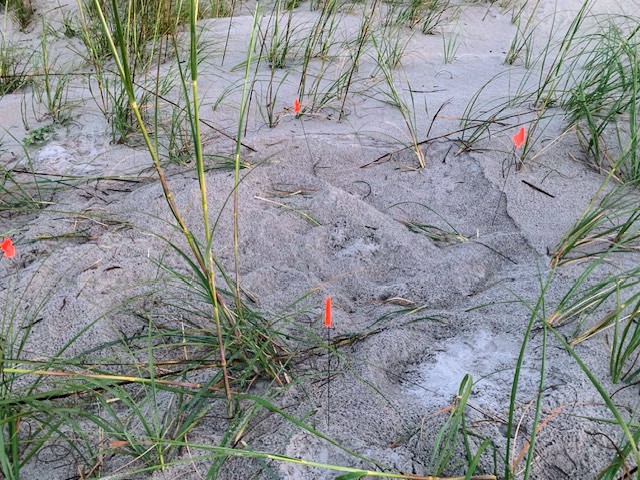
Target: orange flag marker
(327, 312)
(519, 138)
(7, 248)
(296, 106)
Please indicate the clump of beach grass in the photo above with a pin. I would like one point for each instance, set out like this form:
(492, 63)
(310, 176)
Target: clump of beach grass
(15, 68)
(406, 107)
(603, 103)
(21, 10)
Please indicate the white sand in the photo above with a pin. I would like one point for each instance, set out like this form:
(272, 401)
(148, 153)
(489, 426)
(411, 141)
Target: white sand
(360, 253)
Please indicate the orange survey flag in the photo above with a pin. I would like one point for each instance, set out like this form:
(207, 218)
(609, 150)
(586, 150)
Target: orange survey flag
(327, 312)
(519, 138)
(7, 248)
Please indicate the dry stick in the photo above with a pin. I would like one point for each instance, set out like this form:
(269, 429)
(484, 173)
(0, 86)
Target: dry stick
(284, 205)
(526, 446)
(538, 189)
(226, 40)
(423, 142)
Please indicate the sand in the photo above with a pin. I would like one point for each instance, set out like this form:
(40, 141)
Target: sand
(384, 402)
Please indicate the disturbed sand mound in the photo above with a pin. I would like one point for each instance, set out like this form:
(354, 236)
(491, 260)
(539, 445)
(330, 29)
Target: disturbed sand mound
(429, 268)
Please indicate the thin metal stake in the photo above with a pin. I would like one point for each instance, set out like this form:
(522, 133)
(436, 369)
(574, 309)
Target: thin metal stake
(328, 323)
(328, 374)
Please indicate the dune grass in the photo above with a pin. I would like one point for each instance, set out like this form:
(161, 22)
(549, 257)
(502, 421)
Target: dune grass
(605, 98)
(406, 106)
(21, 10)
(591, 74)
(15, 71)
(609, 225)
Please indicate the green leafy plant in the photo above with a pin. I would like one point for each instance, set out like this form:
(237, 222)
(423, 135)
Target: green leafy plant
(39, 136)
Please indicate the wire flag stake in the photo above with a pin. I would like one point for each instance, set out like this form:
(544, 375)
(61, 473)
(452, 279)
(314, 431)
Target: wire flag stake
(327, 324)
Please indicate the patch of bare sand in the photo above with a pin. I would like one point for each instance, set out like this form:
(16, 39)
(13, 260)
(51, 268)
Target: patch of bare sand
(345, 229)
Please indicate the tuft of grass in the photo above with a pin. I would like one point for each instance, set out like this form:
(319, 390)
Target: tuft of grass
(39, 136)
(604, 103)
(28, 419)
(625, 344)
(606, 228)
(611, 225)
(21, 10)
(554, 67)
(537, 314)
(318, 45)
(624, 340)
(149, 31)
(426, 15)
(20, 186)
(14, 67)
(54, 87)
(238, 339)
(446, 439)
(406, 109)
(277, 39)
(450, 46)
(630, 431)
(434, 232)
(523, 39)
(593, 76)
(391, 45)
(584, 299)
(345, 81)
